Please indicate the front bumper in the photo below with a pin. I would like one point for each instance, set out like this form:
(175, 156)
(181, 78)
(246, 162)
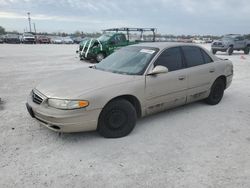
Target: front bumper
(89, 55)
(63, 120)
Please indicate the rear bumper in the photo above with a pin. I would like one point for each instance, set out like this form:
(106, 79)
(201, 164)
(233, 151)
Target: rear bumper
(64, 120)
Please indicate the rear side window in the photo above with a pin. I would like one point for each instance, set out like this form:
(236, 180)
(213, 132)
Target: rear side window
(206, 57)
(170, 58)
(193, 56)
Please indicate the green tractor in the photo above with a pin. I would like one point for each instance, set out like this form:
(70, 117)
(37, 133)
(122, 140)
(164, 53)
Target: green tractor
(106, 44)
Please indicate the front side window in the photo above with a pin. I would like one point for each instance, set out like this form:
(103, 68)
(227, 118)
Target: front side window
(193, 56)
(170, 58)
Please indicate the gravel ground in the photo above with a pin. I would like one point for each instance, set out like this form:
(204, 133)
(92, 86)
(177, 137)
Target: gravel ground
(196, 145)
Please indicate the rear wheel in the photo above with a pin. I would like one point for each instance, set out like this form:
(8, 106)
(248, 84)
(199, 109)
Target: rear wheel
(216, 92)
(230, 50)
(246, 50)
(117, 119)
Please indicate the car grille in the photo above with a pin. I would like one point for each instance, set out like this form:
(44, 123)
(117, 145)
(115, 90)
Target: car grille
(36, 98)
(85, 49)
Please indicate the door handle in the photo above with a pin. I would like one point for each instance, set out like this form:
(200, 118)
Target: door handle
(181, 77)
(212, 70)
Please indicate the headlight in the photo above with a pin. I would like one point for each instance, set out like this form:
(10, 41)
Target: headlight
(67, 104)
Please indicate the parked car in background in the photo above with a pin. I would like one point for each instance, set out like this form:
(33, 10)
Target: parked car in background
(1, 39)
(110, 41)
(67, 40)
(28, 38)
(133, 82)
(199, 41)
(77, 40)
(229, 43)
(43, 39)
(56, 40)
(12, 39)
(103, 46)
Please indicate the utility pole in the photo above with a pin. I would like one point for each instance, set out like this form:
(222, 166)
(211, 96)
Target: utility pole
(34, 27)
(29, 20)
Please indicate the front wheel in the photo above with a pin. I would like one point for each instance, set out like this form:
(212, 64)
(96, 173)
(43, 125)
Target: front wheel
(214, 51)
(216, 92)
(100, 57)
(117, 119)
(246, 50)
(230, 50)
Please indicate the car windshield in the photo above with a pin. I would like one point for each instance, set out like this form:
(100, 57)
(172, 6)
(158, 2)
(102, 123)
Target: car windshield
(132, 60)
(104, 37)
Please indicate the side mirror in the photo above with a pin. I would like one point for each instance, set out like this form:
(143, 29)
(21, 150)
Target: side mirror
(158, 70)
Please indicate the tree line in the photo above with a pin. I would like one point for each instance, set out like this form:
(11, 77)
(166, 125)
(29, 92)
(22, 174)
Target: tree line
(97, 34)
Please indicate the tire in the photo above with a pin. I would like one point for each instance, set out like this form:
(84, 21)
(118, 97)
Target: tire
(230, 50)
(99, 57)
(214, 51)
(82, 58)
(117, 119)
(216, 92)
(246, 50)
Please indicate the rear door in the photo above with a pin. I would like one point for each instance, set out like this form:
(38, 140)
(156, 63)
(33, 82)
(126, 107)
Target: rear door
(201, 72)
(239, 42)
(167, 90)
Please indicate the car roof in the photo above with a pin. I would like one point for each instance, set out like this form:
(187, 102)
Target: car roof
(163, 45)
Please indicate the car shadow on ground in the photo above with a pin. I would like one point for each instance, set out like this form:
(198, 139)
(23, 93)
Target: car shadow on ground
(184, 109)
(90, 61)
(142, 122)
(234, 54)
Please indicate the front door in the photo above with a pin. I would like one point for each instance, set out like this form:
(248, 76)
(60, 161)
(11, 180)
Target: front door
(167, 90)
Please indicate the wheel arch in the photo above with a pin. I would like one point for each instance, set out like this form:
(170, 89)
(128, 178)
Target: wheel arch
(132, 99)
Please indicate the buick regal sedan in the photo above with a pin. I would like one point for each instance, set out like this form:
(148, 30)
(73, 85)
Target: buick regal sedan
(133, 82)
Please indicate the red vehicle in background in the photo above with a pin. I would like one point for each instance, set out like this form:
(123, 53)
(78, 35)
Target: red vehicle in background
(43, 39)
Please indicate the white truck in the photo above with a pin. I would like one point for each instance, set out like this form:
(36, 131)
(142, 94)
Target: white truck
(28, 38)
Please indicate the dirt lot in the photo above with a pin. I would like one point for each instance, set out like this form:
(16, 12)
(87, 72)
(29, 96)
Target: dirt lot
(196, 145)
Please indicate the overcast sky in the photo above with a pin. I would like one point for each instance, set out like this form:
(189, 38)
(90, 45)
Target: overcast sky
(168, 16)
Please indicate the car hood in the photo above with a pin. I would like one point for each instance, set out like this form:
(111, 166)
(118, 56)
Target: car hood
(75, 83)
